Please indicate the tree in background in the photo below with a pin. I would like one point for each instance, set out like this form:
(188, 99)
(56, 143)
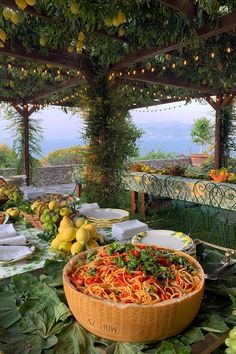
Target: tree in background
(8, 158)
(17, 130)
(202, 132)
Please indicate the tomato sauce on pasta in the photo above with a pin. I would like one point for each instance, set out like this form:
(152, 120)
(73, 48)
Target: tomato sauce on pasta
(134, 274)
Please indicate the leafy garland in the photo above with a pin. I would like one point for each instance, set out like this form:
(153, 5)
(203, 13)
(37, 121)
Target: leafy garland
(111, 137)
(228, 118)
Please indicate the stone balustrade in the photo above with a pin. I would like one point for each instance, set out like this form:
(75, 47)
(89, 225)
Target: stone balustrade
(62, 174)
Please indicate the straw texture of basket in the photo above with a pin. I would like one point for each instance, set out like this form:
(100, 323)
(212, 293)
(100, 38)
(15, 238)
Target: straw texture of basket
(133, 322)
(2, 184)
(34, 220)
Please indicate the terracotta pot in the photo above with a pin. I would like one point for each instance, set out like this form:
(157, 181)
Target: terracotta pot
(198, 159)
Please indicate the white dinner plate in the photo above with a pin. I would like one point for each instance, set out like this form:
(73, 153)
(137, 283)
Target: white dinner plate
(165, 238)
(106, 214)
(11, 254)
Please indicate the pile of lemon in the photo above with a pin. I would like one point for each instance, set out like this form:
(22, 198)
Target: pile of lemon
(76, 236)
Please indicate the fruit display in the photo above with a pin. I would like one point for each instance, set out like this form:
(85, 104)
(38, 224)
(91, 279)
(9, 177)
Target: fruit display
(46, 212)
(8, 192)
(13, 212)
(76, 236)
(231, 342)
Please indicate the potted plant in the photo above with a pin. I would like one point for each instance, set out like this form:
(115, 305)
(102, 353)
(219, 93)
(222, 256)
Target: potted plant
(202, 135)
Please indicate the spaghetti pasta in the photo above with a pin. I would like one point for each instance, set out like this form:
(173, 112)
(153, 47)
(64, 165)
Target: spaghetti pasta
(134, 274)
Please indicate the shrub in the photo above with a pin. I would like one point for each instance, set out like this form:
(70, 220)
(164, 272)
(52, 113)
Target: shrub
(8, 157)
(67, 156)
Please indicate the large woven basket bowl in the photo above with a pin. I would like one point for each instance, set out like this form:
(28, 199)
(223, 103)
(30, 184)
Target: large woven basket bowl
(132, 322)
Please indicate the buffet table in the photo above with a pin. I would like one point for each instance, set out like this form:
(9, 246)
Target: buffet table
(221, 195)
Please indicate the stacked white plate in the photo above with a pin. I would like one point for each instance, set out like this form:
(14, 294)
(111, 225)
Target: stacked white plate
(167, 238)
(106, 217)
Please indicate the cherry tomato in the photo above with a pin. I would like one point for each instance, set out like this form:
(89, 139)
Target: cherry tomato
(136, 253)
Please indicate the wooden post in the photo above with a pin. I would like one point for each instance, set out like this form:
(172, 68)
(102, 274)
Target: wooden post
(25, 113)
(25, 141)
(218, 135)
(134, 202)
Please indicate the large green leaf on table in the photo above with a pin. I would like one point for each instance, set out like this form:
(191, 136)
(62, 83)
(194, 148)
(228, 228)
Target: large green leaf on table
(192, 335)
(214, 323)
(9, 313)
(125, 348)
(233, 299)
(25, 344)
(75, 340)
(53, 273)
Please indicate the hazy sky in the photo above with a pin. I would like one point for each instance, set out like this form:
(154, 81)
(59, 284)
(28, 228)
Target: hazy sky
(57, 124)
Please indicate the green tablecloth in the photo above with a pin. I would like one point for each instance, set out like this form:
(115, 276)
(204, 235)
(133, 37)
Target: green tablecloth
(203, 192)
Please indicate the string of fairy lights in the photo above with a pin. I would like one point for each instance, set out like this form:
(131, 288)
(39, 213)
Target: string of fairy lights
(59, 73)
(173, 64)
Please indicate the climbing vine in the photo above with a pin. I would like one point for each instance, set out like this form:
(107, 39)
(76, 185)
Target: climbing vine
(111, 138)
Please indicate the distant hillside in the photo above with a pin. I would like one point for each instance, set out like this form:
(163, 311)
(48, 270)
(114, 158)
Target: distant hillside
(166, 130)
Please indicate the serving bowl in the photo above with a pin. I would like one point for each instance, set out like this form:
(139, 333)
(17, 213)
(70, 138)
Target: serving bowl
(133, 322)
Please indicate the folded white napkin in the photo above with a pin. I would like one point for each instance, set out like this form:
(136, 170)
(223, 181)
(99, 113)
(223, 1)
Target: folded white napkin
(14, 253)
(84, 208)
(127, 229)
(14, 240)
(7, 230)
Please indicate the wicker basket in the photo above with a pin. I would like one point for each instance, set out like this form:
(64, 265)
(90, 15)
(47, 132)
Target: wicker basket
(34, 220)
(133, 322)
(2, 184)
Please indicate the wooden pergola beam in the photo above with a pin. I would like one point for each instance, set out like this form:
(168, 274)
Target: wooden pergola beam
(53, 57)
(167, 80)
(188, 8)
(49, 91)
(226, 23)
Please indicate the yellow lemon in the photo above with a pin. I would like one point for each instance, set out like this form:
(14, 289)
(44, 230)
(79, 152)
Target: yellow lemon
(108, 21)
(81, 37)
(92, 229)
(79, 45)
(42, 41)
(79, 222)
(3, 35)
(82, 235)
(92, 244)
(66, 222)
(67, 234)
(121, 17)
(21, 4)
(31, 2)
(70, 49)
(76, 248)
(65, 246)
(15, 18)
(74, 8)
(115, 22)
(52, 205)
(65, 211)
(121, 32)
(7, 13)
(55, 243)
